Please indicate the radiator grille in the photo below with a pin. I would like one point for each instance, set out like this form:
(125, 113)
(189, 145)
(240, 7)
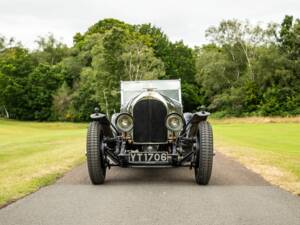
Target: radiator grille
(149, 121)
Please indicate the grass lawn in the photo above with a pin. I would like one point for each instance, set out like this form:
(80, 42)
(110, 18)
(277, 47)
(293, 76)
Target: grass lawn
(269, 147)
(34, 154)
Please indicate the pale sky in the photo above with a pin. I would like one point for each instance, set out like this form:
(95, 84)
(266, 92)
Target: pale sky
(181, 20)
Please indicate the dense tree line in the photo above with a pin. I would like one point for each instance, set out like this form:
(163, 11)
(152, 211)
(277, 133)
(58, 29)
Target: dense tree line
(243, 70)
(248, 70)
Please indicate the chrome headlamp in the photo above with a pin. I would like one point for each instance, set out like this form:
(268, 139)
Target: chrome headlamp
(174, 122)
(124, 122)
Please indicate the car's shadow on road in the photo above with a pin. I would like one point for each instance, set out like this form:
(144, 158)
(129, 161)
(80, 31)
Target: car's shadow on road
(225, 172)
(180, 176)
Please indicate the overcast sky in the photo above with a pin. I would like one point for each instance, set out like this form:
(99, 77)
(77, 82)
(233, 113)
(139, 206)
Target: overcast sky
(180, 19)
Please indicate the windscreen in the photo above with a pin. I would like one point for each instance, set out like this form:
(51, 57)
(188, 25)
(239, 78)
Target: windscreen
(169, 88)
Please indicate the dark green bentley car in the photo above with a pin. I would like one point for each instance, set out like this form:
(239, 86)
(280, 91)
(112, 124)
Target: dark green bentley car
(150, 130)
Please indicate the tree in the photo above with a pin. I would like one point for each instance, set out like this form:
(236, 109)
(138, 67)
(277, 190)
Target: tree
(50, 50)
(243, 67)
(192, 97)
(289, 37)
(84, 96)
(2, 43)
(121, 56)
(233, 34)
(62, 100)
(215, 72)
(41, 86)
(106, 25)
(156, 39)
(140, 63)
(15, 66)
(180, 63)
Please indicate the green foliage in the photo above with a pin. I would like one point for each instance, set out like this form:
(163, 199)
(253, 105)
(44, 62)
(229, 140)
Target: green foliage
(50, 50)
(180, 62)
(15, 66)
(41, 85)
(192, 97)
(289, 37)
(279, 101)
(158, 40)
(140, 63)
(26, 86)
(244, 70)
(116, 51)
(108, 24)
(84, 98)
(62, 100)
(2, 43)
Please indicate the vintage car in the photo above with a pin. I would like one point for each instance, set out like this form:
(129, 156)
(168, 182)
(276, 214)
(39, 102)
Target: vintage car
(151, 130)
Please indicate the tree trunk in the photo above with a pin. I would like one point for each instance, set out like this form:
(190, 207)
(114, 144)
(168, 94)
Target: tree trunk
(6, 112)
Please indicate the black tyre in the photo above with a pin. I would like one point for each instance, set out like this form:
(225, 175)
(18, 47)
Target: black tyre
(204, 153)
(95, 158)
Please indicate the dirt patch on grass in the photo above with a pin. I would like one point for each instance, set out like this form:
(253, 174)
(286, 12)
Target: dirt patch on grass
(295, 119)
(274, 175)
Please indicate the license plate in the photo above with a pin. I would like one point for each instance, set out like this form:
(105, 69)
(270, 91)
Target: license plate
(148, 157)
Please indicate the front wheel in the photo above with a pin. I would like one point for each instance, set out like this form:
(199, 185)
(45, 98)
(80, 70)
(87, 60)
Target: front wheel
(204, 153)
(95, 158)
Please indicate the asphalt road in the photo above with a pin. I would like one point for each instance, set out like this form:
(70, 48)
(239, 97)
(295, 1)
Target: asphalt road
(158, 196)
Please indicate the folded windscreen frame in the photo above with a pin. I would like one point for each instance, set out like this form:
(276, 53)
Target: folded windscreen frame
(169, 88)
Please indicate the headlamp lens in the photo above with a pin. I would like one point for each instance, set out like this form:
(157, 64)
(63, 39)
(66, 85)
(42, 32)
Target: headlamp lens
(174, 122)
(124, 122)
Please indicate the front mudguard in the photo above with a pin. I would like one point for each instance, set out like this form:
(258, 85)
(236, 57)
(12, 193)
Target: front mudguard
(105, 123)
(191, 126)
